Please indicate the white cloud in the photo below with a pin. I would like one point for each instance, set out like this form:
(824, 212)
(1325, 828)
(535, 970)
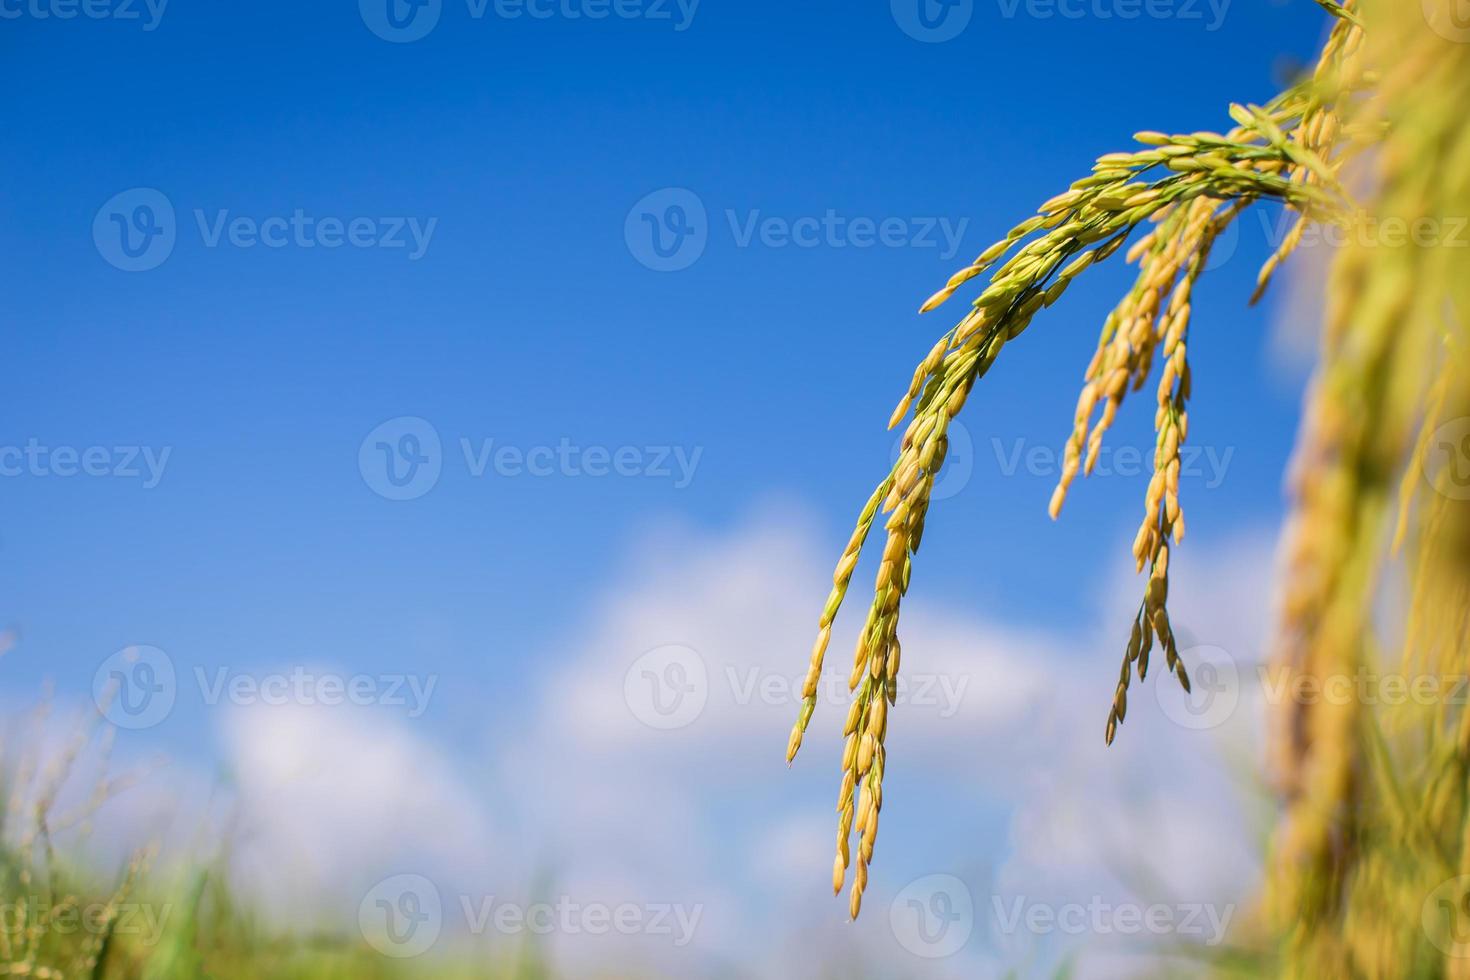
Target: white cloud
(328, 800)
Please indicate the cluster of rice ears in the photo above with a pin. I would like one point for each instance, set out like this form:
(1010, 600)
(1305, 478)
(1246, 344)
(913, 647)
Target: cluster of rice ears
(1375, 813)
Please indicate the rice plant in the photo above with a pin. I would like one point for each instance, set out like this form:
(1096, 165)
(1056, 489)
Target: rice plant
(1373, 802)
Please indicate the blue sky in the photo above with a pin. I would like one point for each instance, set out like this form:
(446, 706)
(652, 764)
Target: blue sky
(523, 152)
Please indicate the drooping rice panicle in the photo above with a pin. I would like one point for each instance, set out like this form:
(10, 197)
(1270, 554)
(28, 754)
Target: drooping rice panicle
(1188, 187)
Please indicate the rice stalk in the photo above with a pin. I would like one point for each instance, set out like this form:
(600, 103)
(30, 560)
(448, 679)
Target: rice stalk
(1185, 189)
